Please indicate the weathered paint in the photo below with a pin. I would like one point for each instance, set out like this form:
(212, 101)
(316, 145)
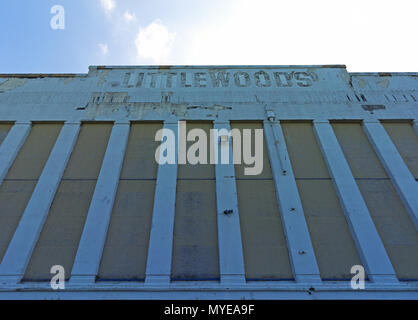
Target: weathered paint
(221, 94)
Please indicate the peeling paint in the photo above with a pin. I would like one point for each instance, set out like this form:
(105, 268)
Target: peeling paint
(102, 77)
(134, 109)
(68, 80)
(11, 84)
(112, 103)
(372, 107)
(345, 76)
(383, 82)
(215, 107)
(362, 83)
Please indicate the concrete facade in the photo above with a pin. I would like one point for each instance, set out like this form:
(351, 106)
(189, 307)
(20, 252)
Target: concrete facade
(321, 98)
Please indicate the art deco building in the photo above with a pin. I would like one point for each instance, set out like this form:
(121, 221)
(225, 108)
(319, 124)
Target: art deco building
(80, 186)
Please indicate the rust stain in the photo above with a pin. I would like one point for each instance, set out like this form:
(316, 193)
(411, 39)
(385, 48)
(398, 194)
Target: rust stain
(164, 68)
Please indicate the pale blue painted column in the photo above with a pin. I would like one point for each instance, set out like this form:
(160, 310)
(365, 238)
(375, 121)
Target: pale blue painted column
(402, 179)
(30, 226)
(93, 238)
(160, 247)
(11, 146)
(363, 230)
(231, 257)
(415, 126)
(302, 256)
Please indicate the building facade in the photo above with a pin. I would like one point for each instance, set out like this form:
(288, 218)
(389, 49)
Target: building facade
(81, 188)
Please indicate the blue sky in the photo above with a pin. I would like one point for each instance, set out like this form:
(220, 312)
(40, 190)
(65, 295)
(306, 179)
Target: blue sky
(364, 35)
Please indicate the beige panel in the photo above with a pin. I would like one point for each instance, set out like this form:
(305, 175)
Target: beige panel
(331, 237)
(61, 234)
(239, 169)
(406, 141)
(139, 160)
(22, 177)
(34, 152)
(4, 130)
(305, 156)
(126, 249)
(389, 216)
(195, 242)
(86, 158)
(361, 158)
(198, 171)
(14, 195)
(59, 238)
(264, 243)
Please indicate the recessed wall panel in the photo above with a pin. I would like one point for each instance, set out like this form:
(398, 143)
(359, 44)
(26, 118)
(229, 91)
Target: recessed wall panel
(195, 242)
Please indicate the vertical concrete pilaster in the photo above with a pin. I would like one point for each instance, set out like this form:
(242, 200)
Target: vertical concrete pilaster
(415, 126)
(11, 146)
(161, 237)
(395, 167)
(302, 256)
(90, 249)
(363, 230)
(231, 257)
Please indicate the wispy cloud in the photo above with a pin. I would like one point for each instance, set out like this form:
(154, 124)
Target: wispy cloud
(155, 42)
(104, 48)
(129, 17)
(108, 6)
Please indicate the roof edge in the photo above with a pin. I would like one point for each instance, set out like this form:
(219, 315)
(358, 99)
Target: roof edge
(100, 67)
(384, 74)
(42, 75)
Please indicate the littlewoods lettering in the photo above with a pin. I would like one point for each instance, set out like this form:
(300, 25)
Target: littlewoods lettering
(165, 78)
(219, 139)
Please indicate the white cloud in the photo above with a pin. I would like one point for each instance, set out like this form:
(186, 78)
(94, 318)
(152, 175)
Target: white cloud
(108, 5)
(155, 42)
(129, 16)
(104, 48)
(308, 32)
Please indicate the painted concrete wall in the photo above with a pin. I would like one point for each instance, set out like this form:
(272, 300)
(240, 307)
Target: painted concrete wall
(338, 186)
